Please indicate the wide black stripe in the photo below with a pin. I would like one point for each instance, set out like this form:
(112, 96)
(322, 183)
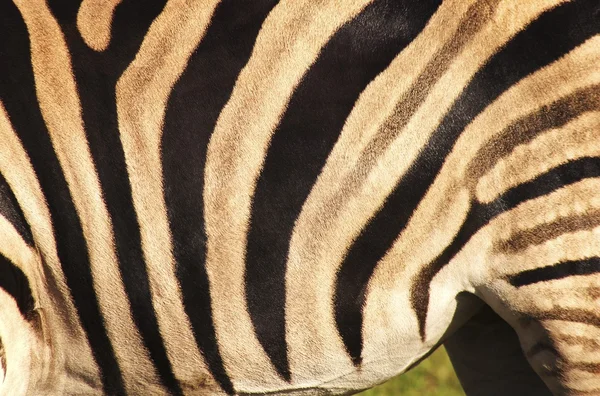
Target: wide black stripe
(97, 75)
(193, 108)
(359, 51)
(481, 214)
(14, 282)
(11, 211)
(557, 271)
(19, 97)
(552, 35)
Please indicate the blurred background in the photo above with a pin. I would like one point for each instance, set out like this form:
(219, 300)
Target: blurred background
(434, 376)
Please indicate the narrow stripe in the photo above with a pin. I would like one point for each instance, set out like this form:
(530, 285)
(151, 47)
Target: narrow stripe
(325, 229)
(481, 214)
(541, 233)
(524, 130)
(589, 367)
(71, 247)
(207, 82)
(94, 21)
(548, 38)
(586, 342)
(575, 315)
(300, 146)
(578, 138)
(556, 271)
(474, 19)
(11, 211)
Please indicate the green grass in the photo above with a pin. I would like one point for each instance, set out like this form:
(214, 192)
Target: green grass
(434, 376)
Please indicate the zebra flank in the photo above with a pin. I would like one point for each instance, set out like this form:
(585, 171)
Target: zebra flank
(293, 197)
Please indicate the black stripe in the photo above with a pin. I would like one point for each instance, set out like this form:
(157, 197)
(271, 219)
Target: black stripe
(552, 35)
(481, 214)
(192, 112)
(360, 50)
(14, 282)
(97, 75)
(19, 97)
(11, 211)
(557, 271)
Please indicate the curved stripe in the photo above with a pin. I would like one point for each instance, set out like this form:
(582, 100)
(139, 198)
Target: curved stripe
(194, 105)
(97, 87)
(475, 18)
(94, 21)
(71, 246)
(290, 40)
(438, 217)
(11, 211)
(302, 142)
(444, 207)
(61, 109)
(481, 214)
(549, 37)
(346, 194)
(141, 106)
(541, 233)
(389, 288)
(46, 277)
(575, 315)
(554, 115)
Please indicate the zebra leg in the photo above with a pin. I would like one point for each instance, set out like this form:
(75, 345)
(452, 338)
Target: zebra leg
(488, 358)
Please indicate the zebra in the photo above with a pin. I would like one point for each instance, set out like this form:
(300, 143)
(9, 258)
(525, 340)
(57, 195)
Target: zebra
(296, 197)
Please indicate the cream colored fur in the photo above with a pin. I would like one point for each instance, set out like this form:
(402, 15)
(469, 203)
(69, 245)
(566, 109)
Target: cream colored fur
(390, 123)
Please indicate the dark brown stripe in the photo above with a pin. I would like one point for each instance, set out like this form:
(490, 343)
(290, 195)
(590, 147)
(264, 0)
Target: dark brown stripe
(475, 18)
(299, 149)
(593, 292)
(539, 234)
(576, 315)
(547, 39)
(588, 343)
(589, 367)
(524, 130)
(481, 214)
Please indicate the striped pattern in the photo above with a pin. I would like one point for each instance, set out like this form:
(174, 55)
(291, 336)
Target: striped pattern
(262, 197)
